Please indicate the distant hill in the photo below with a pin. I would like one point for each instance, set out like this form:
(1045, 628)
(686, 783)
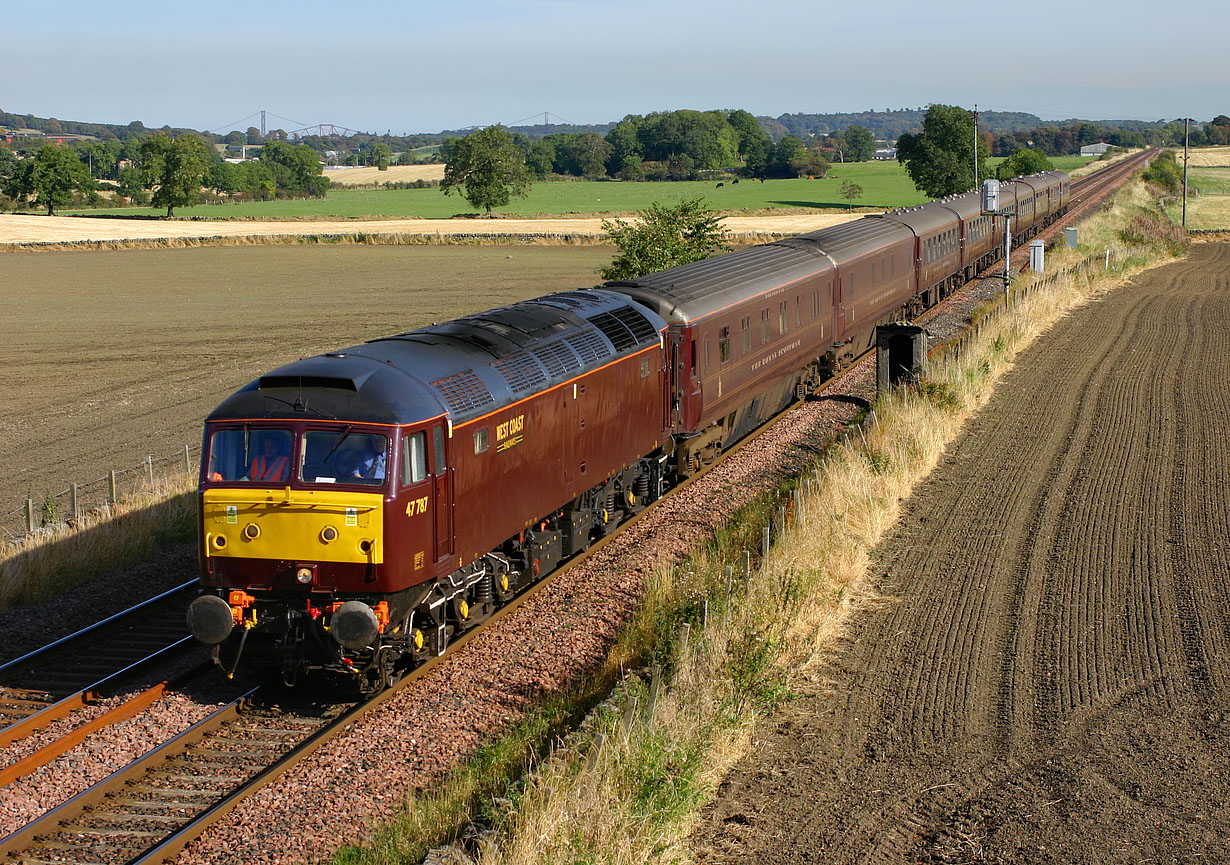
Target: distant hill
(886, 125)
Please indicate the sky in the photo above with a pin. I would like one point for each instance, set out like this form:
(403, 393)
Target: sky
(425, 67)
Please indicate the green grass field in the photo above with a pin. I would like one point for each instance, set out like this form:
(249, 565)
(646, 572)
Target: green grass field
(885, 185)
(1210, 181)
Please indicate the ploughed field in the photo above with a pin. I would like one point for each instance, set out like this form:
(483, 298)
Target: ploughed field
(115, 354)
(1046, 676)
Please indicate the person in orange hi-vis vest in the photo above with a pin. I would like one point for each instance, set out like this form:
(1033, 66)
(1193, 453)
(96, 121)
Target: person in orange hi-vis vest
(272, 465)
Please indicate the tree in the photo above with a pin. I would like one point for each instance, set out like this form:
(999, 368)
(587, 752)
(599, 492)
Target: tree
(940, 159)
(860, 144)
(132, 184)
(850, 191)
(1022, 162)
(295, 168)
(176, 167)
(664, 237)
(55, 174)
(487, 168)
(541, 159)
(379, 155)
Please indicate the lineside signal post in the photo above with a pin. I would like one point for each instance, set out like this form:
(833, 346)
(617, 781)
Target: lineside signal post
(990, 207)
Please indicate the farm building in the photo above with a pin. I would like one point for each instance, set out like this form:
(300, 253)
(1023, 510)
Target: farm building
(1095, 149)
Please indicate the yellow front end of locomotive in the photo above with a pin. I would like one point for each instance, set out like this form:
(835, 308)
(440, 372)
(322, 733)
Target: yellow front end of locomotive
(286, 524)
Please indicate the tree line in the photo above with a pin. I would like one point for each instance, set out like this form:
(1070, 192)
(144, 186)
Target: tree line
(681, 145)
(161, 170)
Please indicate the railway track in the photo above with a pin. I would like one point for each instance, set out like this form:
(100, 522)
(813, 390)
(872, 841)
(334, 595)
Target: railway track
(148, 811)
(50, 683)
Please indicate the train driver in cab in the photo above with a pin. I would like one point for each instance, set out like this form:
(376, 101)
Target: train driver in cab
(366, 461)
(271, 464)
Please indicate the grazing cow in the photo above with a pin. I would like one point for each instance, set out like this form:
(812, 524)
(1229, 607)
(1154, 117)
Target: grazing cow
(733, 182)
(720, 185)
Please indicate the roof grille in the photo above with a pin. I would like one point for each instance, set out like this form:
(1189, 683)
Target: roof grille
(589, 347)
(558, 359)
(637, 323)
(463, 392)
(521, 372)
(615, 330)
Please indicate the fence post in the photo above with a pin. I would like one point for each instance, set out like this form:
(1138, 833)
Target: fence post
(149, 468)
(764, 545)
(113, 488)
(29, 515)
(187, 460)
(73, 505)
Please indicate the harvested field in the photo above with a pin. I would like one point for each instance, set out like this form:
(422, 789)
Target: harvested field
(33, 230)
(1206, 157)
(116, 354)
(368, 175)
(1045, 676)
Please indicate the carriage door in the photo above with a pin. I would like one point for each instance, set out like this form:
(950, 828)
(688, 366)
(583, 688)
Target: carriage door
(443, 488)
(675, 386)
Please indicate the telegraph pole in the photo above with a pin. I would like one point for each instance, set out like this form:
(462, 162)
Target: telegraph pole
(1186, 123)
(975, 145)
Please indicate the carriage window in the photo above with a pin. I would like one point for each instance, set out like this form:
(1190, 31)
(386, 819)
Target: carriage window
(724, 344)
(482, 441)
(747, 333)
(781, 318)
(798, 312)
(693, 357)
(706, 352)
(815, 304)
(413, 459)
(764, 326)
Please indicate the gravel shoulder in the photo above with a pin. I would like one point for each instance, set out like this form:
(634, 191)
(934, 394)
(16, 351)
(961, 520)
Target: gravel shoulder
(1047, 677)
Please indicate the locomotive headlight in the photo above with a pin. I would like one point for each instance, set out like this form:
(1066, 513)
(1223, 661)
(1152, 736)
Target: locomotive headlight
(304, 575)
(251, 531)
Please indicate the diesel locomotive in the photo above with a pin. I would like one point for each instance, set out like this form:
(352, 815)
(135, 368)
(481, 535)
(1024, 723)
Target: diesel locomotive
(360, 508)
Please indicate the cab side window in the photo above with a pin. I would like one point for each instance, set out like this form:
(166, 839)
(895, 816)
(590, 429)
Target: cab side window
(413, 459)
(438, 448)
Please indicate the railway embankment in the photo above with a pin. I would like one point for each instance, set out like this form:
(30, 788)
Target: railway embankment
(727, 641)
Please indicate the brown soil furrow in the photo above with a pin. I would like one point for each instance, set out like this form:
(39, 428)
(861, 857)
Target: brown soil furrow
(1049, 679)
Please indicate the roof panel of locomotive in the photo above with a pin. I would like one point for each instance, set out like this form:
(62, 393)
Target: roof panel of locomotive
(465, 368)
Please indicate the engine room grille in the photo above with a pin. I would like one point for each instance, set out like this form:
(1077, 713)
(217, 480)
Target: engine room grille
(589, 347)
(615, 330)
(635, 322)
(521, 371)
(463, 392)
(558, 359)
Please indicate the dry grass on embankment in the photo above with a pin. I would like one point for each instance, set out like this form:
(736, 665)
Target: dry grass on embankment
(628, 785)
(54, 559)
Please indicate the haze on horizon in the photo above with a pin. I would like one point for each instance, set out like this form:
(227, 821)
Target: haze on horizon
(392, 66)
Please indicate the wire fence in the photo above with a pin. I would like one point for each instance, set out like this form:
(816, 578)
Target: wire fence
(68, 506)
